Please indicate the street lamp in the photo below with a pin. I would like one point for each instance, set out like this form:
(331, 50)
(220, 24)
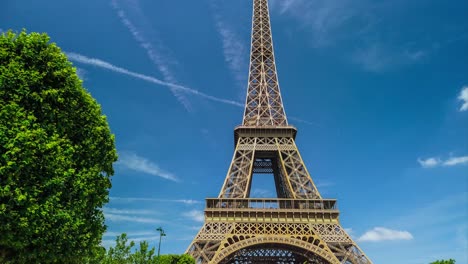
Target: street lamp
(161, 234)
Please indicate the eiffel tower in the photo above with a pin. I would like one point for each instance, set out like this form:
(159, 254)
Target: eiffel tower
(298, 226)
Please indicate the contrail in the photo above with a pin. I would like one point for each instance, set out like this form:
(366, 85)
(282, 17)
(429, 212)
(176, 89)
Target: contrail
(305, 121)
(106, 65)
(152, 53)
(143, 199)
(234, 50)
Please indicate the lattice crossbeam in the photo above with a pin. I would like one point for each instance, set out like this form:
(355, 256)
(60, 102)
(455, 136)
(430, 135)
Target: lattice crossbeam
(283, 160)
(264, 106)
(304, 227)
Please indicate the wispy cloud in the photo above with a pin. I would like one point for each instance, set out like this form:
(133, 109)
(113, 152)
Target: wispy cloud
(331, 22)
(435, 162)
(127, 218)
(195, 215)
(456, 161)
(349, 231)
(381, 234)
(440, 218)
(441, 212)
(464, 98)
(130, 234)
(142, 199)
(377, 57)
(81, 73)
(153, 52)
(323, 184)
(284, 5)
(234, 50)
(429, 162)
(141, 164)
(144, 238)
(323, 18)
(108, 66)
(127, 211)
(300, 120)
(461, 236)
(261, 193)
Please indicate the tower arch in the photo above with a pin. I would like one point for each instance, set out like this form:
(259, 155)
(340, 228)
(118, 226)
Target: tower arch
(274, 249)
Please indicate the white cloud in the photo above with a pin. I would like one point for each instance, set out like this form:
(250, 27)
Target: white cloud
(196, 228)
(144, 238)
(378, 57)
(461, 237)
(126, 218)
(435, 162)
(415, 55)
(429, 162)
(285, 5)
(195, 215)
(137, 163)
(235, 52)
(261, 193)
(141, 199)
(349, 231)
(323, 184)
(127, 211)
(381, 234)
(373, 58)
(456, 161)
(304, 121)
(81, 73)
(330, 22)
(325, 19)
(186, 201)
(464, 98)
(436, 213)
(108, 66)
(153, 53)
(135, 233)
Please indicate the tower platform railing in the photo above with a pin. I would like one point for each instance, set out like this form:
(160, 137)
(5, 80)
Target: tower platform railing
(270, 204)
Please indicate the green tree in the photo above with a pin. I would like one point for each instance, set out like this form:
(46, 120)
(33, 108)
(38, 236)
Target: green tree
(450, 261)
(143, 255)
(176, 259)
(56, 156)
(123, 253)
(186, 259)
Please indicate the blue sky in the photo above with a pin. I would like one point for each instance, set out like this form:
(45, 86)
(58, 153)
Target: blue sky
(377, 89)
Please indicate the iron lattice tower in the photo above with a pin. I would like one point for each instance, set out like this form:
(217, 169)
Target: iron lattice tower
(298, 226)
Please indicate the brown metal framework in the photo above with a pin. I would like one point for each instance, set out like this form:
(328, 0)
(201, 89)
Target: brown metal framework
(298, 226)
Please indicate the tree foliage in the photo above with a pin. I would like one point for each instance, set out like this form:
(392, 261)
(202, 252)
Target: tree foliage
(56, 155)
(450, 261)
(177, 259)
(123, 253)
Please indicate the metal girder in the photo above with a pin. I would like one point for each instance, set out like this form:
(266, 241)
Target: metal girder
(232, 241)
(299, 226)
(277, 155)
(263, 106)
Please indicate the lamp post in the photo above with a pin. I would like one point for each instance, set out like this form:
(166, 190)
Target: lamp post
(161, 234)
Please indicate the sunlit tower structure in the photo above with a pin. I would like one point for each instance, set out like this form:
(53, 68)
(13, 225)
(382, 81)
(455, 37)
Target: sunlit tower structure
(298, 226)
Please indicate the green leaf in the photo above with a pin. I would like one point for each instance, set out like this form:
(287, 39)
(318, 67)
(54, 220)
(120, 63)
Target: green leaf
(56, 156)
